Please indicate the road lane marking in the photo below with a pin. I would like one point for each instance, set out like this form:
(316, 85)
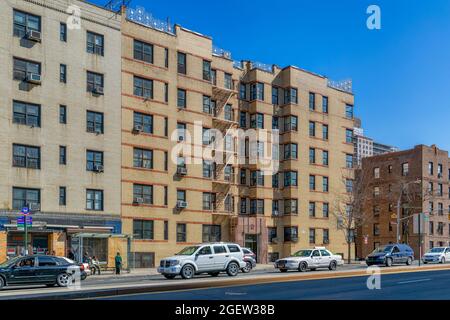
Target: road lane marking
(413, 281)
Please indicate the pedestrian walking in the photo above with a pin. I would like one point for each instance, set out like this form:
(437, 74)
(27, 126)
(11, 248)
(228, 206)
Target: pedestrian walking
(118, 262)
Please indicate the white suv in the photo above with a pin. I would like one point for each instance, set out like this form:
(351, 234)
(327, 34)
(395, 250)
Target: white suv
(210, 258)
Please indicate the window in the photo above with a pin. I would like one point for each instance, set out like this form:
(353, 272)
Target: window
(430, 168)
(349, 185)
(431, 227)
(143, 88)
(290, 151)
(94, 159)
(206, 70)
(166, 57)
(272, 233)
(290, 96)
(256, 206)
(25, 198)
(348, 136)
(94, 82)
(207, 169)
(214, 77)
(62, 155)
(94, 200)
(326, 240)
(243, 119)
(312, 155)
(166, 194)
(209, 201)
(243, 176)
(376, 229)
(349, 111)
(166, 126)
(257, 91)
(256, 178)
(290, 234)
(26, 156)
(45, 261)
(228, 112)
(181, 57)
(325, 210)
(325, 184)
(275, 95)
(242, 91)
(440, 192)
(325, 104)
(376, 191)
(143, 51)
(312, 129)
(181, 195)
(181, 131)
(312, 101)
(207, 104)
(145, 121)
(62, 114)
(142, 194)
(440, 170)
(257, 121)
(26, 114)
(312, 183)
(325, 158)
(325, 132)
(142, 158)
(95, 43)
(219, 249)
(23, 68)
(181, 98)
(94, 122)
(62, 196)
(376, 173)
(290, 206)
(405, 169)
(275, 123)
(143, 229)
(275, 180)
(349, 161)
(290, 179)
(290, 123)
(243, 206)
(390, 168)
(63, 32)
(212, 233)
(181, 232)
(166, 92)
(312, 236)
(312, 209)
(228, 81)
(62, 73)
(24, 22)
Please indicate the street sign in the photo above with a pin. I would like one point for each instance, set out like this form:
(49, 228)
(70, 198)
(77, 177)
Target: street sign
(25, 210)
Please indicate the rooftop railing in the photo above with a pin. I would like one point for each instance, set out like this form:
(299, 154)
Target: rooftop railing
(262, 66)
(141, 16)
(221, 52)
(238, 64)
(344, 85)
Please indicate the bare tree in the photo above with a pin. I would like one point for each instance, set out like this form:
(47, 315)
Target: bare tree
(348, 207)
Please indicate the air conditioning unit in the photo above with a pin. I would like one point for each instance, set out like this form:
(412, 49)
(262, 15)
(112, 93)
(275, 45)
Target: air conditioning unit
(182, 171)
(181, 204)
(97, 90)
(138, 128)
(138, 200)
(34, 207)
(276, 213)
(34, 35)
(99, 168)
(98, 131)
(33, 78)
(294, 239)
(274, 240)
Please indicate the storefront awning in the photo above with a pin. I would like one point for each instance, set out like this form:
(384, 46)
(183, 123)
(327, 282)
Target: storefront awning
(99, 235)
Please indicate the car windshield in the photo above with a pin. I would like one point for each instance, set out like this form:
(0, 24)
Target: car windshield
(9, 262)
(68, 260)
(436, 250)
(188, 251)
(302, 253)
(383, 249)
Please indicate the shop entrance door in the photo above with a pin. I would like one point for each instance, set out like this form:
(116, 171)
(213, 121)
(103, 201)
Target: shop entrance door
(40, 244)
(251, 242)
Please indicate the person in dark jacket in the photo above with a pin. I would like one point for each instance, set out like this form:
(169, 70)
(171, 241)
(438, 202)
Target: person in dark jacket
(118, 263)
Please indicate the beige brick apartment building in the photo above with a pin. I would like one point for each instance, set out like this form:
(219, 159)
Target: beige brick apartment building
(60, 126)
(172, 77)
(419, 178)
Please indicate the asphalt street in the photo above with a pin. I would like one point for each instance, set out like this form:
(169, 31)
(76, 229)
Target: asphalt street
(431, 285)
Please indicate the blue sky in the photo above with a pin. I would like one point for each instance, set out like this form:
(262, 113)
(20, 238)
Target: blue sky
(401, 73)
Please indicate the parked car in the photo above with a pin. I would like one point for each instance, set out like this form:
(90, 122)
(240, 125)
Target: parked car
(437, 255)
(249, 253)
(210, 258)
(250, 263)
(310, 259)
(39, 269)
(391, 254)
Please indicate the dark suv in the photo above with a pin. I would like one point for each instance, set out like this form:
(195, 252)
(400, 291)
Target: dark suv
(391, 254)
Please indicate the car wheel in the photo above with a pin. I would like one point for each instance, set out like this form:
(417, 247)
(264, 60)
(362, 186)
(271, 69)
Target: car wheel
(332, 266)
(232, 269)
(388, 262)
(2, 283)
(303, 266)
(409, 261)
(170, 276)
(443, 260)
(64, 279)
(214, 274)
(187, 272)
(247, 268)
(283, 270)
